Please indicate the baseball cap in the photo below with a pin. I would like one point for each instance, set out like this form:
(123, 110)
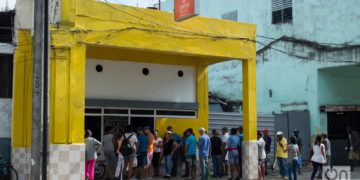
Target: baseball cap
(279, 133)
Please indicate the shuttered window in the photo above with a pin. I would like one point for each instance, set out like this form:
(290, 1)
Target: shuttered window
(231, 16)
(281, 11)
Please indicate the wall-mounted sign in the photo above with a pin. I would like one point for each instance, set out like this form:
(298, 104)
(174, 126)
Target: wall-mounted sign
(185, 9)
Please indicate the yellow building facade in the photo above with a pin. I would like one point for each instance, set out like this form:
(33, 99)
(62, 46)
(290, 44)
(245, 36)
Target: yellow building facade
(90, 29)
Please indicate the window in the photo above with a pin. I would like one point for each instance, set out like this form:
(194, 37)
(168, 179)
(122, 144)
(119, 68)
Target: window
(231, 16)
(281, 11)
(6, 75)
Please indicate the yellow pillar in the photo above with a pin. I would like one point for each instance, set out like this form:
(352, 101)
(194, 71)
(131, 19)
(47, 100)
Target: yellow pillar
(67, 90)
(250, 148)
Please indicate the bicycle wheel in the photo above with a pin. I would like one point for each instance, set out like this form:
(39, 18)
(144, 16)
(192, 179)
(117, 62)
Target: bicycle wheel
(99, 170)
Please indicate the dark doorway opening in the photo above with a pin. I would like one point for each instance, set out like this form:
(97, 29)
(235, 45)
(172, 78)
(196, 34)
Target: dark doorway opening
(93, 123)
(142, 122)
(337, 124)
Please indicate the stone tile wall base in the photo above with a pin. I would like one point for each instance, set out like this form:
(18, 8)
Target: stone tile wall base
(66, 162)
(250, 160)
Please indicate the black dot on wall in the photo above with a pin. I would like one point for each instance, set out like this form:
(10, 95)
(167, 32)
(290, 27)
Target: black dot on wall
(99, 68)
(180, 73)
(145, 71)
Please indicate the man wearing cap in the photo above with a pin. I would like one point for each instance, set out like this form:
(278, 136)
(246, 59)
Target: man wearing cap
(281, 154)
(204, 147)
(267, 139)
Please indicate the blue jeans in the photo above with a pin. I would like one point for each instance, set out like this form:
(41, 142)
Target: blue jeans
(204, 171)
(168, 164)
(217, 165)
(282, 163)
(293, 168)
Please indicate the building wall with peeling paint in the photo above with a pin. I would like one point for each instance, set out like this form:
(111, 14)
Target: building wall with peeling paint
(286, 82)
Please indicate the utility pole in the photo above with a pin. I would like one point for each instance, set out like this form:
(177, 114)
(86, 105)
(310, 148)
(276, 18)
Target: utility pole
(159, 5)
(40, 92)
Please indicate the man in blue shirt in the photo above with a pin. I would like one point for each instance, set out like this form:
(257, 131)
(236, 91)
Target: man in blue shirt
(204, 147)
(176, 153)
(142, 152)
(190, 152)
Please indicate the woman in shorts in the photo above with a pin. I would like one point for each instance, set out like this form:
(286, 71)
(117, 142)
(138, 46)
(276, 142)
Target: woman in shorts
(233, 145)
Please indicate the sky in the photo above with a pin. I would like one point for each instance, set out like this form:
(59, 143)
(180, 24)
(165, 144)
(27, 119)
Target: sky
(138, 3)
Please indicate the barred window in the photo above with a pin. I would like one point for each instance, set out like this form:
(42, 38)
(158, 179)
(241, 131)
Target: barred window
(281, 11)
(231, 16)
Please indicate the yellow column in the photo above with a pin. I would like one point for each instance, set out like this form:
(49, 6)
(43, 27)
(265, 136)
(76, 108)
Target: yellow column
(250, 148)
(22, 93)
(67, 91)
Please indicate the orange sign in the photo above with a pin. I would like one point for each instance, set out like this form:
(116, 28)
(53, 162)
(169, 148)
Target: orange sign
(185, 9)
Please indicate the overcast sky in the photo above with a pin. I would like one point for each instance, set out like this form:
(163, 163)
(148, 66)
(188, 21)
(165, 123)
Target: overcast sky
(139, 3)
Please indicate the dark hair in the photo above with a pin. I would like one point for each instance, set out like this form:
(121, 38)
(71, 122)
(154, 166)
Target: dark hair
(128, 129)
(233, 131)
(259, 133)
(225, 129)
(88, 133)
(214, 131)
(169, 128)
(318, 139)
(190, 130)
(108, 129)
(324, 135)
(140, 129)
(293, 140)
(240, 128)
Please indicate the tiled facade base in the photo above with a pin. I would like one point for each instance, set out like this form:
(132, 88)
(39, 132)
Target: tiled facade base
(67, 162)
(250, 160)
(20, 159)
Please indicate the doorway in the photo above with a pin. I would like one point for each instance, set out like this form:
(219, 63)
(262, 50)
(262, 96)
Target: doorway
(142, 122)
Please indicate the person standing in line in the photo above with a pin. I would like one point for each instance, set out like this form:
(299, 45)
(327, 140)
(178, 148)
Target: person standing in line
(130, 145)
(327, 149)
(190, 152)
(261, 156)
(183, 156)
(281, 154)
(91, 147)
(150, 151)
(204, 148)
(176, 154)
(318, 158)
(299, 142)
(108, 147)
(142, 152)
(120, 158)
(241, 138)
(267, 139)
(233, 153)
(170, 147)
(158, 145)
(353, 147)
(293, 152)
(216, 154)
(224, 138)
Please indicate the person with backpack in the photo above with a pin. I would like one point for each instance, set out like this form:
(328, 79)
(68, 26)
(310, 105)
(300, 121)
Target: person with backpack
(128, 149)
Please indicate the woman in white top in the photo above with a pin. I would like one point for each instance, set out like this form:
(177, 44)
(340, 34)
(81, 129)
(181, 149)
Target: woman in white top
(318, 158)
(91, 146)
(157, 153)
(293, 152)
(261, 156)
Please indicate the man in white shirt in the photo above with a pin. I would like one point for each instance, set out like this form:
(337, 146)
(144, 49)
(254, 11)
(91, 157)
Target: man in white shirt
(224, 138)
(108, 147)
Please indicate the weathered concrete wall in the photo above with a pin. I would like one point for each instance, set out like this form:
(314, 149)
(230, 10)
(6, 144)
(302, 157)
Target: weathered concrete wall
(293, 81)
(5, 117)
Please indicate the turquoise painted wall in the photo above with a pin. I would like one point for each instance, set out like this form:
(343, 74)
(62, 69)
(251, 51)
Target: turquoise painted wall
(295, 83)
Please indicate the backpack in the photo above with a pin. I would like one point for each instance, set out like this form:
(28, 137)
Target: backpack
(126, 148)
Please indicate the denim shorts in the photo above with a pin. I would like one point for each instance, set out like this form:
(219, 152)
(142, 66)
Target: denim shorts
(233, 157)
(130, 157)
(191, 160)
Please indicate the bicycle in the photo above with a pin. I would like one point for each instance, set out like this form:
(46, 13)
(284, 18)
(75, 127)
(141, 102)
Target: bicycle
(7, 171)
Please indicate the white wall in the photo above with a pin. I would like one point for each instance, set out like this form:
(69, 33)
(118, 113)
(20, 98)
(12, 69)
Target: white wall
(124, 80)
(5, 118)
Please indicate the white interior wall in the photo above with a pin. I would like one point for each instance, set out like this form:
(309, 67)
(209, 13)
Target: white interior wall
(124, 80)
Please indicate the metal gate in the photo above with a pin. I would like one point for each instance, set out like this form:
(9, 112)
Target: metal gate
(230, 120)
